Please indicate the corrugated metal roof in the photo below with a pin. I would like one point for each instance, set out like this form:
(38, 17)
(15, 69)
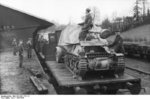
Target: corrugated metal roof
(10, 18)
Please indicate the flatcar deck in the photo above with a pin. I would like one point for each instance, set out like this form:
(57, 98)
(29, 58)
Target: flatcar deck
(65, 78)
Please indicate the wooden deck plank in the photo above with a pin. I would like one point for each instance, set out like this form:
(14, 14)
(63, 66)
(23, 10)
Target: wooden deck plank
(65, 78)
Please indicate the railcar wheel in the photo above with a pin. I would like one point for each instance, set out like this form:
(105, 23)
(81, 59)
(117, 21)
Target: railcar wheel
(79, 90)
(148, 57)
(142, 56)
(112, 91)
(109, 90)
(135, 88)
(65, 90)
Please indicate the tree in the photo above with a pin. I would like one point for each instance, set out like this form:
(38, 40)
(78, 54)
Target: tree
(144, 3)
(106, 23)
(144, 6)
(118, 23)
(96, 15)
(136, 10)
(148, 12)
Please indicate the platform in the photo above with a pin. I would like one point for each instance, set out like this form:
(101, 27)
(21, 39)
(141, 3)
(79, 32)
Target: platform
(65, 78)
(15, 79)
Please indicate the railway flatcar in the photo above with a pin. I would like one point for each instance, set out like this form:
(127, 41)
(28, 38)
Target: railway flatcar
(65, 82)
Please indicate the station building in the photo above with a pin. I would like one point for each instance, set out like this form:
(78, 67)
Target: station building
(19, 25)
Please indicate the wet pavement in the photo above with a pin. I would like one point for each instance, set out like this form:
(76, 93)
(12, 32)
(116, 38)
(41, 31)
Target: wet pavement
(141, 64)
(15, 79)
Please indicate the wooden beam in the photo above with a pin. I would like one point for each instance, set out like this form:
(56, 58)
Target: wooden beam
(39, 85)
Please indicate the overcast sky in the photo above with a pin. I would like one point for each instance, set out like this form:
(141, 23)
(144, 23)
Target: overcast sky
(63, 11)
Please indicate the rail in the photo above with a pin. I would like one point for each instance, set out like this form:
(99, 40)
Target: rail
(137, 70)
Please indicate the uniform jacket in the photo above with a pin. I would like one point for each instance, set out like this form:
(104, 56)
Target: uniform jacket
(118, 44)
(29, 45)
(88, 22)
(118, 41)
(20, 48)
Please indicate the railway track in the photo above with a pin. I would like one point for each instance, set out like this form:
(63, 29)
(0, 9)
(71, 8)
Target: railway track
(138, 70)
(144, 75)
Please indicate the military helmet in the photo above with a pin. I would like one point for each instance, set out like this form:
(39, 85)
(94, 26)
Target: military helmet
(88, 9)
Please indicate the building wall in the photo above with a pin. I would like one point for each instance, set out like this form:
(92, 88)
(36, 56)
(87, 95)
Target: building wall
(15, 24)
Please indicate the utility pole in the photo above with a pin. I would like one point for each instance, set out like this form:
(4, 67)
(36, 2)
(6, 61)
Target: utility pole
(144, 2)
(144, 6)
(137, 10)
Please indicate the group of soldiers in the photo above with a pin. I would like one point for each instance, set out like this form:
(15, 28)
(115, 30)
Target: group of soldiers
(40, 43)
(20, 47)
(117, 45)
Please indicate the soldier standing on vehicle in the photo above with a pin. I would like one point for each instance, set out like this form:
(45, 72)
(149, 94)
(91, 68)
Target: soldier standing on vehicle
(29, 48)
(20, 49)
(14, 44)
(117, 45)
(87, 25)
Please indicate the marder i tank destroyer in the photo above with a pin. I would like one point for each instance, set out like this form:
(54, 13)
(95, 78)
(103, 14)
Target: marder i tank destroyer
(89, 56)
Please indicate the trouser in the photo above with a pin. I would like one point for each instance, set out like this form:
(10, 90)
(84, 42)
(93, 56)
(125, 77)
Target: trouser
(119, 49)
(29, 53)
(14, 51)
(82, 35)
(20, 60)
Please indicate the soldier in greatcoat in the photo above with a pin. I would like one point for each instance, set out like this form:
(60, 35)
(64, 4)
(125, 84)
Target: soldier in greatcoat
(117, 45)
(21, 50)
(14, 44)
(29, 48)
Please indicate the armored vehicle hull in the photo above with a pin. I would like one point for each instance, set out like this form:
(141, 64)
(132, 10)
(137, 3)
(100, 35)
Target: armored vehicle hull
(92, 55)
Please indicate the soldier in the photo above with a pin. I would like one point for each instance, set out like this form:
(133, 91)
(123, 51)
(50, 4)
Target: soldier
(29, 48)
(14, 44)
(118, 44)
(87, 25)
(41, 43)
(21, 49)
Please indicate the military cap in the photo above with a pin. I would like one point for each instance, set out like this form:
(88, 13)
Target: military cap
(88, 9)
